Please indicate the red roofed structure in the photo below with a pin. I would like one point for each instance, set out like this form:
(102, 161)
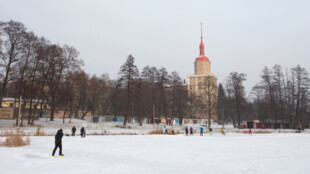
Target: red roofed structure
(202, 56)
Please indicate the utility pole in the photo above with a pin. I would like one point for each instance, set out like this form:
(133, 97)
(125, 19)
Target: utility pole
(153, 116)
(19, 111)
(223, 118)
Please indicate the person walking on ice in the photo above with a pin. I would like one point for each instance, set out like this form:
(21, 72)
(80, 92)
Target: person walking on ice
(201, 131)
(211, 132)
(83, 132)
(73, 131)
(250, 131)
(58, 143)
(191, 131)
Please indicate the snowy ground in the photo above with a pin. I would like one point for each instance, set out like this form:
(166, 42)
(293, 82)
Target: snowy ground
(110, 128)
(163, 154)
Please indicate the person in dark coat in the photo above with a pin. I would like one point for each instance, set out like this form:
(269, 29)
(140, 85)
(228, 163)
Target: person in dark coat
(58, 142)
(186, 131)
(83, 132)
(191, 131)
(73, 131)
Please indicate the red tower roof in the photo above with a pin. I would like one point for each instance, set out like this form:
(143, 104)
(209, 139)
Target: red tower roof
(202, 56)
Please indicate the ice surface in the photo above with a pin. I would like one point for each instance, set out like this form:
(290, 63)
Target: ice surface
(163, 154)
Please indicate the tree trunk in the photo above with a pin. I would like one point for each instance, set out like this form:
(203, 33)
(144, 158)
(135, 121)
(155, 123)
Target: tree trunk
(52, 112)
(64, 115)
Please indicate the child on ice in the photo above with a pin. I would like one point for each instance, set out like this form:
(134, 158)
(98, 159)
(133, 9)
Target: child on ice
(222, 131)
(211, 132)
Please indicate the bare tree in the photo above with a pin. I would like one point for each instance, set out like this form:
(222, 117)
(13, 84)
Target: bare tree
(178, 104)
(269, 85)
(59, 61)
(150, 98)
(209, 97)
(149, 91)
(162, 83)
(14, 32)
(116, 98)
(279, 90)
(302, 85)
(235, 83)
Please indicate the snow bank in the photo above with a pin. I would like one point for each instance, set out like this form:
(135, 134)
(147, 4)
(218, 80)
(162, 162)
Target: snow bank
(110, 128)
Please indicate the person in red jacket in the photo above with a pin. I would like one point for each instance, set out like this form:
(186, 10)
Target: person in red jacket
(191, 131)
(250, 131)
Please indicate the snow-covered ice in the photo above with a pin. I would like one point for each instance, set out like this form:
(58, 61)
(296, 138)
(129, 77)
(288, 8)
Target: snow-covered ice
(163, 154)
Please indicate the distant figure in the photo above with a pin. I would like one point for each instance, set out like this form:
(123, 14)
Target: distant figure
(201, 131)
(191, 131)
(73, 130)
(83, 132)
(58, 142)
(211, 131)
(165, 130)
(222, 131)
(186, 131)
(250, 131)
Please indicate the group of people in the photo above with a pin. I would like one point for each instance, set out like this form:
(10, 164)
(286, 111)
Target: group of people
(83, 131)
(58, 139)
(201, 131)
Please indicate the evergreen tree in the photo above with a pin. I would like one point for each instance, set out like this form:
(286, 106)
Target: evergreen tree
(221, 100)
(129, 73)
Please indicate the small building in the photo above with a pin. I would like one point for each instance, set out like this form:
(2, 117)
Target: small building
(250, 124)
(6, 113)
(10, 108)
(256, 124)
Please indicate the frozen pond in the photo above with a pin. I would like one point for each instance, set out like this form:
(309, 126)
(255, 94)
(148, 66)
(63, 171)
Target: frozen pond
(160, 154)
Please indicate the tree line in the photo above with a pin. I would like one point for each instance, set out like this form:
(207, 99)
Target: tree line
(279, 97)
(40, 71)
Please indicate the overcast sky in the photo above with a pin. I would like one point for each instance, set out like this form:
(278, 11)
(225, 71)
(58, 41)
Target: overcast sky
(239, 35)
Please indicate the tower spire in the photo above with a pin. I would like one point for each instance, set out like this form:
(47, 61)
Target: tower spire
(201, 46)
(201, 29)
